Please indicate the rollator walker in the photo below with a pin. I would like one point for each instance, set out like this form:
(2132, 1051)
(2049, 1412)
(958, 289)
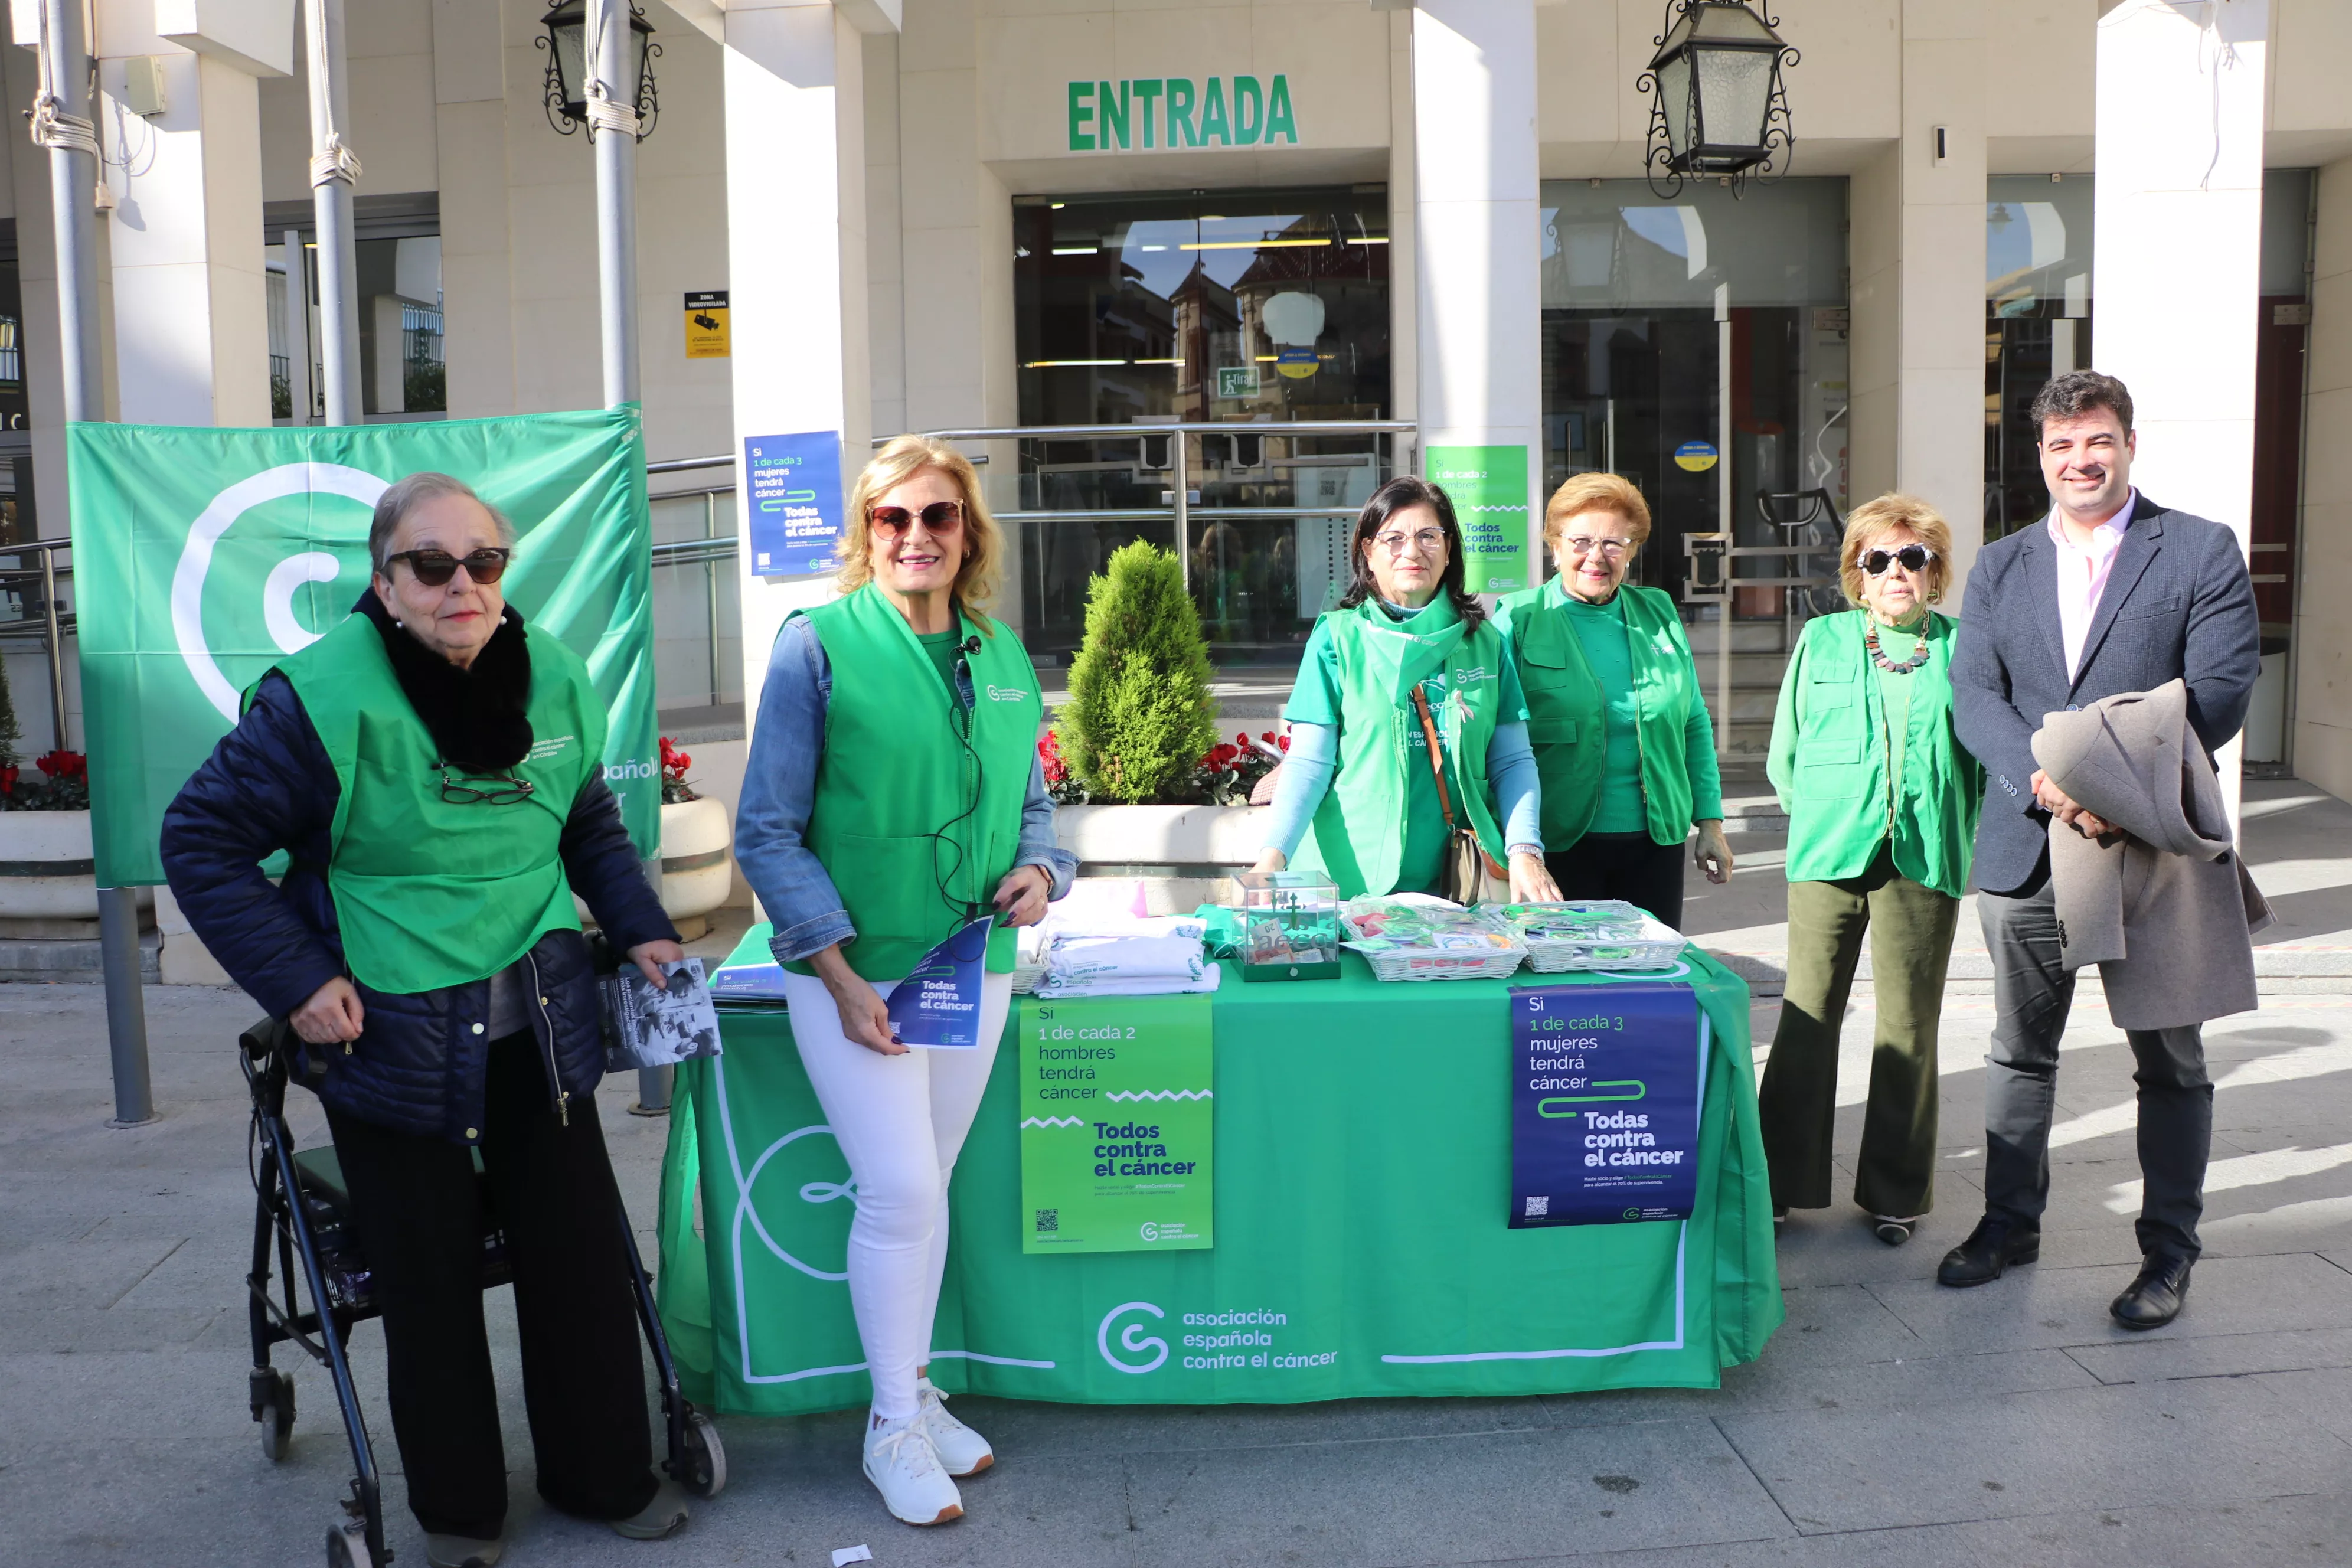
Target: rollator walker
(302, 1203)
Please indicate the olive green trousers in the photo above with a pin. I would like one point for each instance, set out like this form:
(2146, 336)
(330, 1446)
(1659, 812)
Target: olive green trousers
(1910, 929)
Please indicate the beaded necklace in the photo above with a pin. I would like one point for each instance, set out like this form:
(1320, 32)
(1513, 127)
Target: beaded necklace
(1919, 656)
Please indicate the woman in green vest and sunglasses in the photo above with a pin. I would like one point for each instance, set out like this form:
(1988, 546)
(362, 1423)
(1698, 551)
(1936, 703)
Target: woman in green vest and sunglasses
(1883, 802)
(893, 795)
(435, 769)
(1408, 657)
(1619, 730)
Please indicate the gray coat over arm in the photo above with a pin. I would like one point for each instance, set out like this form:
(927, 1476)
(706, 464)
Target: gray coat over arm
(2178, 605)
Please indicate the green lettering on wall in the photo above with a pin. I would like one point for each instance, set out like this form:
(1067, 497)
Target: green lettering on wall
(1082, 115)
(1179, 113)
(1280, 120)
(1112, 113)
(1212, 115)
(1146, 93)
(1249, 111)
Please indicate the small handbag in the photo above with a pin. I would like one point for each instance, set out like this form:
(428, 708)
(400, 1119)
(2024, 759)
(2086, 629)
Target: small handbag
(1460, 873)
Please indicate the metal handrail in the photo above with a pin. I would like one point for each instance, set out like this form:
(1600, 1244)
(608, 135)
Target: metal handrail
(1181, 510)
(52, 624)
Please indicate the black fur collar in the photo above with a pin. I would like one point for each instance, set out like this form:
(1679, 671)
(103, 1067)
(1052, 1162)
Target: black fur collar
(475, 715)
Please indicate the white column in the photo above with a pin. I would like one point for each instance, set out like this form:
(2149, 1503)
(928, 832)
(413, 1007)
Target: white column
(1475, 210)
(190, 298)
(1918, 260)
(2322, 642)
(2177, 247)
(797, 261)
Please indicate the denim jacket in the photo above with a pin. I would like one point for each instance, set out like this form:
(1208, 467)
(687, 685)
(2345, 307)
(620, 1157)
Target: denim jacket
(780, 791)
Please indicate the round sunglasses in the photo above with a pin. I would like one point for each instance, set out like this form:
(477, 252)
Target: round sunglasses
(1911, 558)
(433, 568)
(942, 517)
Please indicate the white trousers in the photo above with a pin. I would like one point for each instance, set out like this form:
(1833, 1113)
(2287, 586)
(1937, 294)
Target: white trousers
(900, 1122)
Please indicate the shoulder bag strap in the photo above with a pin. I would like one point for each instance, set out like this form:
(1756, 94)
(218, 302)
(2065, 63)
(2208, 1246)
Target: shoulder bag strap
(1437, 771)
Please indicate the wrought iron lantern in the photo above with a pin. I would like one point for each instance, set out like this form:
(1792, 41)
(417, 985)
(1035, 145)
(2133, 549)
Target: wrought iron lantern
(566, 84)
(1717, 106)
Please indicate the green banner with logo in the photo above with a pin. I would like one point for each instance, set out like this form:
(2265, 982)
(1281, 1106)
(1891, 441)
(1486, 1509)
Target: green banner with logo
(201, 557)
(1117, 1124)
(1489, 485)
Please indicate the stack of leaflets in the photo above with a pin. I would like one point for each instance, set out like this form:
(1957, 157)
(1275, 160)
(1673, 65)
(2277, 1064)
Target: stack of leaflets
(649, 1025)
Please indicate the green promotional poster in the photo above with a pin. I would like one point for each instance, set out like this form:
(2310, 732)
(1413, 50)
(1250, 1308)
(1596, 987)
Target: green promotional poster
(203, 557)
(1117, 1123)
(1489, 489)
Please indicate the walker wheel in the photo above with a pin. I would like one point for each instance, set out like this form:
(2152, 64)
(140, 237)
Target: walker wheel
(347, 1544)
(705, 1457)
(273, 1407)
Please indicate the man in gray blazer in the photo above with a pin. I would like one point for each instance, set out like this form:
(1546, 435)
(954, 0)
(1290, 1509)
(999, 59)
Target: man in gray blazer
(2111, 593)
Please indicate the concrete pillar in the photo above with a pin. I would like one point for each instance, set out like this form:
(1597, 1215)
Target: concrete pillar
(190, 300)
(2323, 639)
(469, 112)
(796, 254)
(1918, 261)
(1478, 280)
(2179, 198)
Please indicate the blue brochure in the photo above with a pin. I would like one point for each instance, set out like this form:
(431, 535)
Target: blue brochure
(938, 1005)
(1605, 1103)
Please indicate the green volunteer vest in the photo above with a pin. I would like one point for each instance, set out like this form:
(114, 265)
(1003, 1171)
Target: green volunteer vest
(1829, 762)
(1567, 724)
(431, 893)
(910, 823)
(1357, 836)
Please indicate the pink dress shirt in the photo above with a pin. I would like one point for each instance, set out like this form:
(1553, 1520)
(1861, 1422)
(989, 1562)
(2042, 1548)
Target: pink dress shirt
(2082, 574)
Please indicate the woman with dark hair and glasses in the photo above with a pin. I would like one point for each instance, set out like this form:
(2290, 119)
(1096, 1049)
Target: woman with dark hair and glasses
(894, 793)
(435, 771)
(1619, 726)
(1883, 802)
(1407, 656)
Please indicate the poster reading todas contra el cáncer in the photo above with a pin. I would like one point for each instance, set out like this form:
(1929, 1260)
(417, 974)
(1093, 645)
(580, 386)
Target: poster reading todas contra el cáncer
(1605, 1103)
(1489, 487)
(1117, 1120)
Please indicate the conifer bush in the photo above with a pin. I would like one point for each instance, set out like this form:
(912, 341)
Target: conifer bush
(1140, 715)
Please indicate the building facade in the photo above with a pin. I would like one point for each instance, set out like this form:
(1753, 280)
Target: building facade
(1428, 226)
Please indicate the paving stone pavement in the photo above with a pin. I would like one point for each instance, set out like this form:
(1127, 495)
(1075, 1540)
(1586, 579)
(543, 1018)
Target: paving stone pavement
(1890, 1421)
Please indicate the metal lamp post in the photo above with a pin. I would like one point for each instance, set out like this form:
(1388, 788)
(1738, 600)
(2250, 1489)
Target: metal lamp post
(1717, 104)
(569, 69)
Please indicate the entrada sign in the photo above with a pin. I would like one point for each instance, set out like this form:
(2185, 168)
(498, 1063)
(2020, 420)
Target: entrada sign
(1177, 112)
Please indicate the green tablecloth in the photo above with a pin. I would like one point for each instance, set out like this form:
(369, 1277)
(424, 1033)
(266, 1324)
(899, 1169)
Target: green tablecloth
(1362, 1176)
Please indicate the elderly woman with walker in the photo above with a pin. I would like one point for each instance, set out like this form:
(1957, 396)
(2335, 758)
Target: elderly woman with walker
(1882, 801)
(435, 770)
(893, 796)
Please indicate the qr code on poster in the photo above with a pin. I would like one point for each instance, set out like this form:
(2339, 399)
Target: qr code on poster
(1048, 1220)
(1538, 1209)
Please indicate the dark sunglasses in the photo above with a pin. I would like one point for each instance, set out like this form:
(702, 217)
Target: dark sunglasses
(504, 789)
(1911, 557)
(939, 517)
(433, 568)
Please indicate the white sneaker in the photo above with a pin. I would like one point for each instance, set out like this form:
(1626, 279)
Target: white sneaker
(962, 1452)
(904, 1470)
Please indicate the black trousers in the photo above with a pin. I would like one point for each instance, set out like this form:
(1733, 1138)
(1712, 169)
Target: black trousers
(1628, 866)
(415, 1212)
(2033, 994)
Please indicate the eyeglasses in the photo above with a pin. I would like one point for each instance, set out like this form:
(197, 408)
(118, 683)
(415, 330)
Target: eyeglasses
(939, 517)
(1911, 558)
(1428, 541)
(1615, 549)
(433, 568)
(504, 790)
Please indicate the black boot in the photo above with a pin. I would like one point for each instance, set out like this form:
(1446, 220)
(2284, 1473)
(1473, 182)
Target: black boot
(2155, 1297)
(1991, 1247)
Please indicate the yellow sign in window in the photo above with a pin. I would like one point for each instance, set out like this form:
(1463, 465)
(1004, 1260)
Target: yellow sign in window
(706, 325)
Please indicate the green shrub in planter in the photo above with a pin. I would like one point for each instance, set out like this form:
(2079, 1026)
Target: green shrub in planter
(1140, 714)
